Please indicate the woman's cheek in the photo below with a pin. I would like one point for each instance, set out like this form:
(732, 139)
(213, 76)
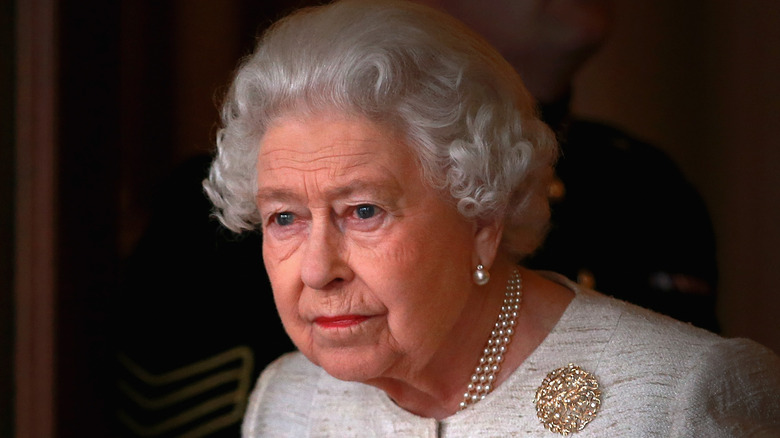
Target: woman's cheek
(286, 286)
(398, 245)
(281, 245)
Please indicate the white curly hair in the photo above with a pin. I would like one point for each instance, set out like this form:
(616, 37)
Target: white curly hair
(462, 107)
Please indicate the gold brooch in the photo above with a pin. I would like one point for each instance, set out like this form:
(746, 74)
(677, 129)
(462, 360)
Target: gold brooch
(568, 399)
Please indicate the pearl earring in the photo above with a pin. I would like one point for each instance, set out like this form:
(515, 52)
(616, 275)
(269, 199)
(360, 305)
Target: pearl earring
(481, 276)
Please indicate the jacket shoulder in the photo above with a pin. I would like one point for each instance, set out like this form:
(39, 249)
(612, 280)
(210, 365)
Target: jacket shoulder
(282, 398)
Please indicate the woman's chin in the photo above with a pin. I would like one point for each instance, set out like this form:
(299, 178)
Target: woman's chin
(353, 366)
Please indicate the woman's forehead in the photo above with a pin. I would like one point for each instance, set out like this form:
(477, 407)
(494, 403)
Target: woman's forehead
(331, 152)
(328, 139)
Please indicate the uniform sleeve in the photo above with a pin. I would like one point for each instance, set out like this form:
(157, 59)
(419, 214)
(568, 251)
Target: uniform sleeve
(732, 391)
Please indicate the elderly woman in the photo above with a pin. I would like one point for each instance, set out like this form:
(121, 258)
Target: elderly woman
(398, 171)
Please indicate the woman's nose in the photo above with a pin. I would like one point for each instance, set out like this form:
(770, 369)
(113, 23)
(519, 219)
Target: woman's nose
(324, 263)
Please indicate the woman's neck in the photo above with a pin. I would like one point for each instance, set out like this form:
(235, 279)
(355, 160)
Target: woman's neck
(436, 389)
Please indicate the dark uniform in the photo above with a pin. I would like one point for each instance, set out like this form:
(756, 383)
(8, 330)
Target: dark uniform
(626, 222)
(195, 320)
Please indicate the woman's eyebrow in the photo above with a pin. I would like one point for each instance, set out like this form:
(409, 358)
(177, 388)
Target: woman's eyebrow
(275, 194)
(383, 188)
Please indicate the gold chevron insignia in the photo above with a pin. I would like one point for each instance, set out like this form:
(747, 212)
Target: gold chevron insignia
(196, 399)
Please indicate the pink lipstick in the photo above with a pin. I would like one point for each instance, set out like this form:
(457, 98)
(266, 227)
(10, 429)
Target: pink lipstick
(339, 321)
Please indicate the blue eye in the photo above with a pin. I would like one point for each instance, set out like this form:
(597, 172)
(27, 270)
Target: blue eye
(365, 211)
(284, 218)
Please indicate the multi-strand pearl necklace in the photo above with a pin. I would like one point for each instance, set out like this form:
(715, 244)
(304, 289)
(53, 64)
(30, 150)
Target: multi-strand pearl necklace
(484, 378)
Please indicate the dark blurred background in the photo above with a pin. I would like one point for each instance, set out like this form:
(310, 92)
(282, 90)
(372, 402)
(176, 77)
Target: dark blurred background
(101, 100)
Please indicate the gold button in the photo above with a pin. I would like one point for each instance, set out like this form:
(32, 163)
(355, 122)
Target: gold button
(586, 279)
(556, 191)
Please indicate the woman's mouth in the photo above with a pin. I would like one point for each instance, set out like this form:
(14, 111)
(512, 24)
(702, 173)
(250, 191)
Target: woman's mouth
(339, 321)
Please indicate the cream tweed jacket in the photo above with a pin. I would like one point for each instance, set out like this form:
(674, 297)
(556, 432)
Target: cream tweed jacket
(658, 377)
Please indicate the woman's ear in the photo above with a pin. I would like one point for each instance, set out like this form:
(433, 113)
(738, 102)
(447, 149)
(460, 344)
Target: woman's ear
(487, 239)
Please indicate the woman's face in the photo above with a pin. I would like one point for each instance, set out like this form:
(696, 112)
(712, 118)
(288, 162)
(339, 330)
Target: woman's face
(370, 266)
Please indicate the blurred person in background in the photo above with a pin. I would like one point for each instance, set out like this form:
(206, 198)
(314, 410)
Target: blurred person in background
(624, 218)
